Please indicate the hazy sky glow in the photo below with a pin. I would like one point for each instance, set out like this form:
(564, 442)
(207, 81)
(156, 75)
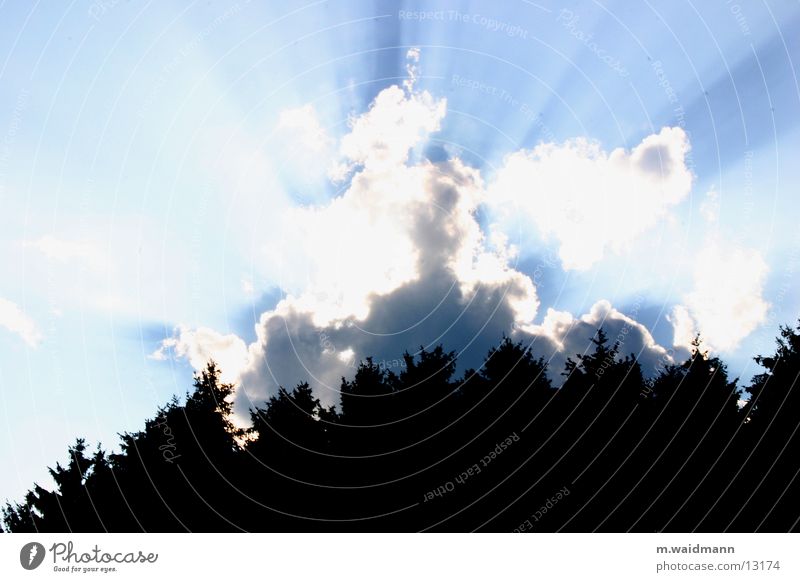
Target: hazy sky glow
(288, 188)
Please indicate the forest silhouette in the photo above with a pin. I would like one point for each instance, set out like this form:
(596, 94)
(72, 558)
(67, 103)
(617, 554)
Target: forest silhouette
(502, 448)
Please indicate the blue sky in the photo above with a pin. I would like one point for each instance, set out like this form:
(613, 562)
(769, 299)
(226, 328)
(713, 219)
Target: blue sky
(184, 180)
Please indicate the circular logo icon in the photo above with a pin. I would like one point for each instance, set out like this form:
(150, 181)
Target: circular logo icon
(31, 555)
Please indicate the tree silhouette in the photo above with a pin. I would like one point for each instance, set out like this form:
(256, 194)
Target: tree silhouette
(500, 448)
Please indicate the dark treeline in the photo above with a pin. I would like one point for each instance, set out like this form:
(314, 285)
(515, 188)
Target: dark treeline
(498, 449)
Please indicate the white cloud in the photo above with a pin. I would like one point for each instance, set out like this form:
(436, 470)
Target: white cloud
(399, 260)
(373, 271)
(683, 325)
(396, 121)
(572, 335)
(590, 201)
(412, 68)
(727, 301)
(347, 355)
(203, 344)
(333, 256)
(16, 321)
